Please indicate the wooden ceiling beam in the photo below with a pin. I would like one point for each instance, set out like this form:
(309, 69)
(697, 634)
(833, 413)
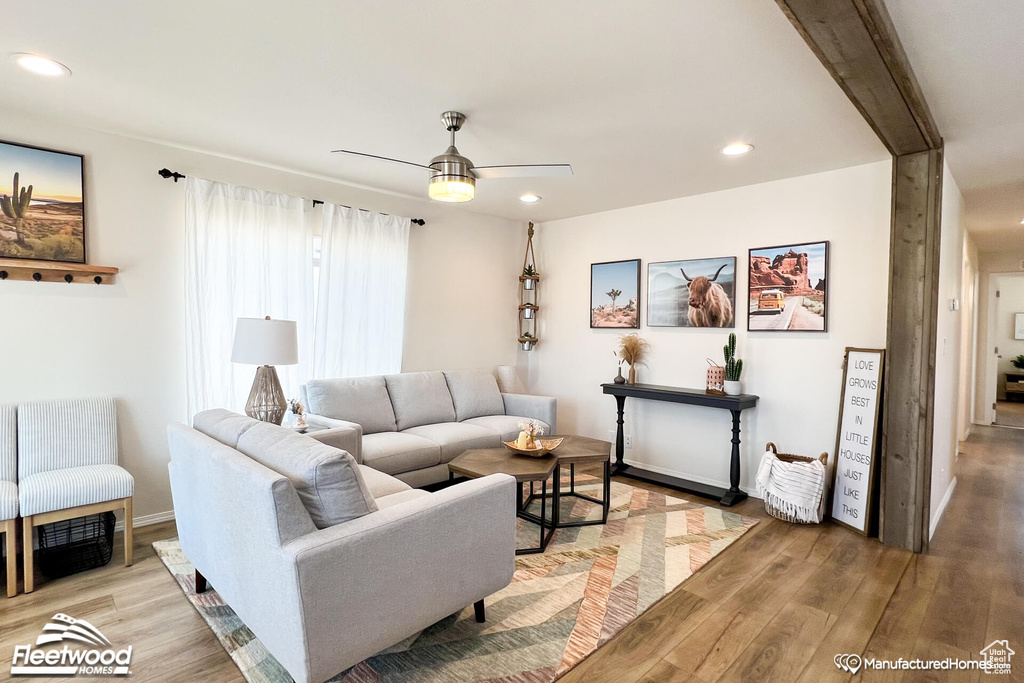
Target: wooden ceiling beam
(857, 43)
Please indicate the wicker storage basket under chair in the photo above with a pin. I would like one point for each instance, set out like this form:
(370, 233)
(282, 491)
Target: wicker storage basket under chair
(772, 506)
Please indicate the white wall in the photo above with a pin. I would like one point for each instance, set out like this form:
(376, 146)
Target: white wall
(947, 348)
(797, 375)
(968, 336)
(990, 264)
(127, 340)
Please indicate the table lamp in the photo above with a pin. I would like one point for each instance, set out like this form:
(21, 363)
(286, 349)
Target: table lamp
(266, 343)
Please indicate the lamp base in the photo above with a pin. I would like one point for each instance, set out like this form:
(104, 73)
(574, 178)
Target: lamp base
(266, 400)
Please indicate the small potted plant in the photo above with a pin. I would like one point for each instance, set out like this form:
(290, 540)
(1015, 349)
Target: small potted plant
(300, 415)
(1018, 362)
(733, 368)
(530, 275)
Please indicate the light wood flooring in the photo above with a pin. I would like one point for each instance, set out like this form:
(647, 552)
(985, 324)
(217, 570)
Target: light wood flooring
(778, 605)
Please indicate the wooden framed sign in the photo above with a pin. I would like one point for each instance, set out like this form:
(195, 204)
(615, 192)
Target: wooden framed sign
(856, 471)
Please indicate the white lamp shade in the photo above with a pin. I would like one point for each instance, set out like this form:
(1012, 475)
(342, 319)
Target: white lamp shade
(260, 341)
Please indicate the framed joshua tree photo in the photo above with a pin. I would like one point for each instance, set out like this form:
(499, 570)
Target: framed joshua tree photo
(615, 294)
(42, 204)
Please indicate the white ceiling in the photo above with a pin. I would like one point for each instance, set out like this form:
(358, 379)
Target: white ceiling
(638, 96)
(969, 59)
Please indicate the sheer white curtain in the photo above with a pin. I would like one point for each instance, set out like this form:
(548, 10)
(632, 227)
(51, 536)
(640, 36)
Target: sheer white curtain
(360, 315)
(249, 254)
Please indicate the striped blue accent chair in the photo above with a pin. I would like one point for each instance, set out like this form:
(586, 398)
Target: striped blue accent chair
(9, 491)
(67, 468)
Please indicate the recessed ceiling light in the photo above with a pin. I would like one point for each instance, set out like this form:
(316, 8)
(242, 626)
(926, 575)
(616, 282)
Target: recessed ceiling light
(529, 198)
(736, 149)
(1022, 222)
(40, 66)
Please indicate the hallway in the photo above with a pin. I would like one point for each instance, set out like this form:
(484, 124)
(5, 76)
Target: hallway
(969, 589)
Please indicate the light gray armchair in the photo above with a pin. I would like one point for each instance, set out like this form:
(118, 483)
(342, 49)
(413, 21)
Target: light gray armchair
(67, 468)
(323, 599)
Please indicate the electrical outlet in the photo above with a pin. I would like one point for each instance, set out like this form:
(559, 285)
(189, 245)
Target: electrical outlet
(627, 438)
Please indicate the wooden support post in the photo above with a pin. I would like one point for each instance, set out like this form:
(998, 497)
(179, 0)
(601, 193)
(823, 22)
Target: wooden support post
(857, 43)
(908, 406)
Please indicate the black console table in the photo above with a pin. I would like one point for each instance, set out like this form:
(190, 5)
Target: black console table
(697, 397)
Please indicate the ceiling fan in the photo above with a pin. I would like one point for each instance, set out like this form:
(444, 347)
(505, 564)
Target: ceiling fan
(454, 176)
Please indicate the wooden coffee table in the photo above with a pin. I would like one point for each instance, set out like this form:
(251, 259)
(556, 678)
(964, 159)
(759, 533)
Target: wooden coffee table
(581, 450)
(482, 462)
(574, 450)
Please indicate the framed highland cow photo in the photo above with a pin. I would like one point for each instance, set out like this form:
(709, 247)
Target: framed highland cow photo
(692, 293)
(788, 288)
(615, 294)
(42, 204)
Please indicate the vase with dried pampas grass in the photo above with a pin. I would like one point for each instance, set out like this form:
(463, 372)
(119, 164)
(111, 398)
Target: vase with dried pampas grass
(633, 350)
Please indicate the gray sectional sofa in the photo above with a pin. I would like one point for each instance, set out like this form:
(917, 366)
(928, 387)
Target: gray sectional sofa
(411, 425)
(327, 561)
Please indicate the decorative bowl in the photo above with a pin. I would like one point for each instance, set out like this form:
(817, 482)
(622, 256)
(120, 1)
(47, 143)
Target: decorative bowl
(546, 446)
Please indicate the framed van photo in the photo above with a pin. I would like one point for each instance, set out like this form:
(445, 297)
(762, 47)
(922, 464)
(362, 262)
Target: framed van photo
(615, 294)
(787, 288)
(42, 204)
(693, 293)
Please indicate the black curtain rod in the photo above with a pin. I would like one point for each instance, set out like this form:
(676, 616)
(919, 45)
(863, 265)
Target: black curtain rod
(167, 173)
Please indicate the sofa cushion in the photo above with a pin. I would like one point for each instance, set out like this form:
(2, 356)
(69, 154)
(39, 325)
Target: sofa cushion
(506, 425)
(456, 437)
(327, 480)
(401, 497)
(73, 486)
(474, 393)
(363, 400)
(394, 452)
(223, 425)
(420, 398)
(381, 484)
(8, 500)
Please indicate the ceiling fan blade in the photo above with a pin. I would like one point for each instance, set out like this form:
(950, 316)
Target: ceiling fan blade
(375, 156)
(524, 171)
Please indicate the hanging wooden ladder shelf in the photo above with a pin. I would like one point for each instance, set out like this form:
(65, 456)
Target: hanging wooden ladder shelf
(53, 271)
(529, 284)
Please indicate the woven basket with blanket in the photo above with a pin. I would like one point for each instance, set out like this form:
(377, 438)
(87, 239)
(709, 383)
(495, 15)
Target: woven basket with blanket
(792, 486)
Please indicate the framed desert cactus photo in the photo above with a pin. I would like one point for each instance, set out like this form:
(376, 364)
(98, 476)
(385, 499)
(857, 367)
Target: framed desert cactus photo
(42, 204)
(615, 294)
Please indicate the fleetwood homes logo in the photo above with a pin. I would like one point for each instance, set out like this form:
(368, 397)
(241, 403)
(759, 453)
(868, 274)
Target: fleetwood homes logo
(92, 654)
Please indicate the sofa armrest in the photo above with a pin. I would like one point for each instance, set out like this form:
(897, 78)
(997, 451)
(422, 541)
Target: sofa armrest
(347, 436)
(543, 408)
(368, 583)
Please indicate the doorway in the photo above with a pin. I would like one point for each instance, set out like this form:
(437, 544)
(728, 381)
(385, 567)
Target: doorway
(1005, 369)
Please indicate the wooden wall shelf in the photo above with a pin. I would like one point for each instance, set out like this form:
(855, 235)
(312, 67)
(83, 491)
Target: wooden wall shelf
(52, 271)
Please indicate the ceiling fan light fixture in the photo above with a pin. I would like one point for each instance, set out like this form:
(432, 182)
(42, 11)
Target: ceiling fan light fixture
(452, 188)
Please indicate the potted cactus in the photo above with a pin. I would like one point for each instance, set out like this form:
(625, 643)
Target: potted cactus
(733, 368)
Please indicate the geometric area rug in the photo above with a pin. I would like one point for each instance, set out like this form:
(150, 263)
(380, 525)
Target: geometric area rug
(561, 605)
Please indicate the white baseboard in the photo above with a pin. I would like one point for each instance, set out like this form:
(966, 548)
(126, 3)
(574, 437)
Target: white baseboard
(691, 477)
(147, 520)
(937, 514)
